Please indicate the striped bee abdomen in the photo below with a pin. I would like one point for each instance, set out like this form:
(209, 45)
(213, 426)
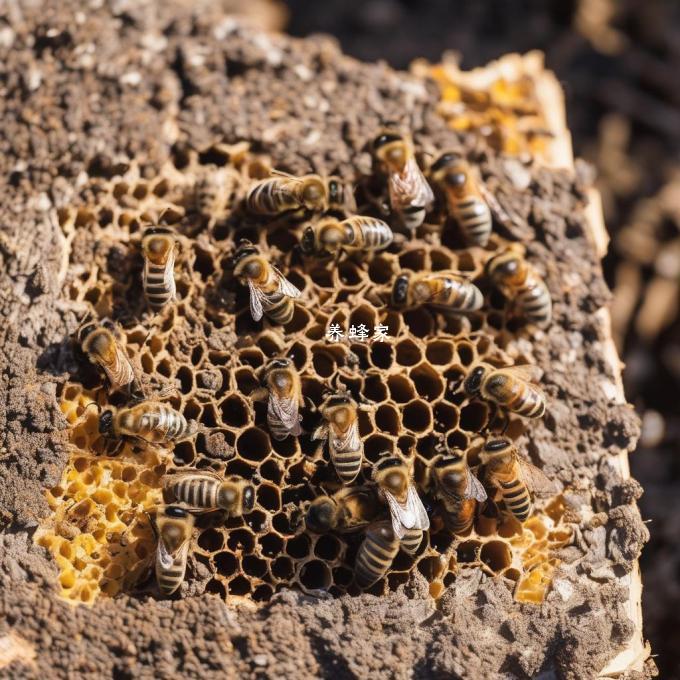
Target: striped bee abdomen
(517, 499)
(163, 424)
(376, 233)
(474, 217)
(159, 283)
(197, 491)
(462, 295)
(535, 302)
(412, 540)
(347, 464)
(528, 402)
(170, 579)
(271, 197)
(376, 554)
(279, 308)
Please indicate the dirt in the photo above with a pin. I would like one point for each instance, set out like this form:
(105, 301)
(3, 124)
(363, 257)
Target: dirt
(82, 93)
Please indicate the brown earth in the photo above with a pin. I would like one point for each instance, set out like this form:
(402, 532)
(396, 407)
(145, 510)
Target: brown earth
(82, 92)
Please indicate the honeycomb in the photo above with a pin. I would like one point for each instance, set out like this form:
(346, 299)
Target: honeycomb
(505, 109)
(207, 353)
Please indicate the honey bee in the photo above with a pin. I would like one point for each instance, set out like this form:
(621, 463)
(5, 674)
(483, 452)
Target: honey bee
(102, 348)
(376, 554)
(355, 234)
(463, 198)
(284, 398)
(520, 282)
(410, 194)
(340, 196)
(339, 411)
(446, 290)
(205, 490)
(284, 193)
(348, 509)
(512, 388)
(150, 422)
(173, 527)
(158, 250)
(457, 488)
(270, 292)
(407, 511)
(513, 476)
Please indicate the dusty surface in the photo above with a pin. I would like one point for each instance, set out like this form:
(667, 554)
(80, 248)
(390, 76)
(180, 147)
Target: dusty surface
(74, 102)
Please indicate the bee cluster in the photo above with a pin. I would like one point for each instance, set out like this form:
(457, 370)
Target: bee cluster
(269, 456)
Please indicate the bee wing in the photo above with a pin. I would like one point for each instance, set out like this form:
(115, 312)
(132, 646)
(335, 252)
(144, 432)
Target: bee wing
(536, 479)
(169, 274)
(411, 515)
(527, 372)
(286, 411)
(475, 489)
(416, 506)
(285, 286)
(321, 432)
(411, 187)
(119, 372)
(165, 558)
(348, 441)
(256, 296)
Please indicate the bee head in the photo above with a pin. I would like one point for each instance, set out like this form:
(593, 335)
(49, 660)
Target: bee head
(400, 290)
(321, 516)
(445, 161)
(106, 423)
(279, 362)
(85, 331)
(244, 249)
(473, 382)
(314, 193)
(449, 470)
(390, 148)
(308, 241)
(504, 266)
(496, 448)
(390, 472)
(175, 511)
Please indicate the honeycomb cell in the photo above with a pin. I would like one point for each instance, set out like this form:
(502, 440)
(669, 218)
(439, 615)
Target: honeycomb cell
(283, 568)
(467, 552)
(234, 411)
(328, 547)
(419, 322)
(496, 555)
(299, 546)
(315, 575)
(427, 382)
(387, 419)
(253, 444)
(211, 540)
(440, 352)
(408, 353)
(417, 416)
(270, 544)
(401, 388)
(226, 563)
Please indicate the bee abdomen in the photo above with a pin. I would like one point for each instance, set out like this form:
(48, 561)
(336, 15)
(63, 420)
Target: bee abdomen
(460, 515)
(517, 499)
(529, 403)
(200, 493)
(170, 579)
(464, 296)
(536, 304)
(411, 541)
(375, 555)
(268, 198)
(347, 464)
(280, 308)
(376, 233)
(158, 291)
(474, 218)
(277, 429)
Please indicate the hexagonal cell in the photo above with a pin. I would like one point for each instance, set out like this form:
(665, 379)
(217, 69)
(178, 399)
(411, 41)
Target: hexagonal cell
(496, 555)
(427, 381)
(417, 416)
